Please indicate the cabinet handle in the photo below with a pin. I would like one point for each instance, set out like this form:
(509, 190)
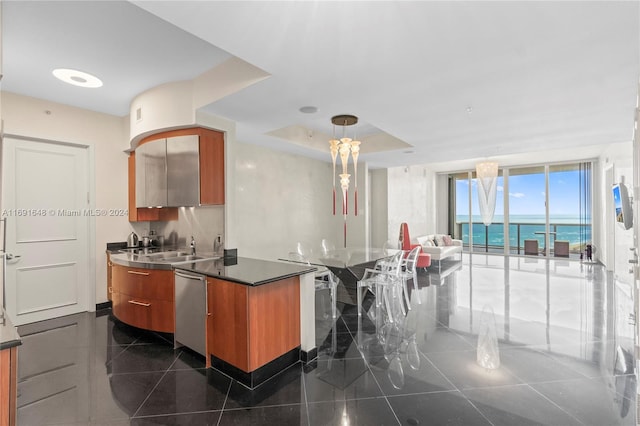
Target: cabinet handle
(110, 290)
(109, 264)
(146, 305)
(138, 273)
(208, 314)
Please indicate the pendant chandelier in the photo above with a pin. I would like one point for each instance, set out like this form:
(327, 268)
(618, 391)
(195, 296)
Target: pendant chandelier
(345, 146)
(487, 180)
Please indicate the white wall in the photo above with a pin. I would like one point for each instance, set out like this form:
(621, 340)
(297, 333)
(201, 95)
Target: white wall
(441, 202)
(613, 241)
(378, 207)
(608, 235)
(163, 107)
(281, 199)
(411, 199)
(107, 136)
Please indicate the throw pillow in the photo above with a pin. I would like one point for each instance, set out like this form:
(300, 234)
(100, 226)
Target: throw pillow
(439, 240)
(447, 240)
(427, 243)
(421, 240)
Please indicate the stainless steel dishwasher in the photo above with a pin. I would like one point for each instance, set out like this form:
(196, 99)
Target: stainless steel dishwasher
(191, 311)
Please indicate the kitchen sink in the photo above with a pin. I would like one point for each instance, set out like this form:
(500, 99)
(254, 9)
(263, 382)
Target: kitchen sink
(162, 259)
(183, 258)
(154, 253)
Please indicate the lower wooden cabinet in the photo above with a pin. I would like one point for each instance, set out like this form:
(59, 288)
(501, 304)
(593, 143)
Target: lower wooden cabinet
(143, 298)
(249, 326)
(150, 314)
(8, 385)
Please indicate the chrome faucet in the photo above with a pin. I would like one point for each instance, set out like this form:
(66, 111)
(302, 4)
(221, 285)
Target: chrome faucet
(193, 246)
(217, 244)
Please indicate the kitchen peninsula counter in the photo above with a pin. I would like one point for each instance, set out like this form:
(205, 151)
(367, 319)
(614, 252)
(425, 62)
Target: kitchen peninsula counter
(9, 336)
(9, 342)
(246, 271)
(260, 315)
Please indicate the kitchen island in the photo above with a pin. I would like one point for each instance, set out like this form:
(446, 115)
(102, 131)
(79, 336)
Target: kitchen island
(259, 316)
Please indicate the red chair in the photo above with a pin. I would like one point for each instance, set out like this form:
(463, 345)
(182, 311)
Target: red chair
(424, 259)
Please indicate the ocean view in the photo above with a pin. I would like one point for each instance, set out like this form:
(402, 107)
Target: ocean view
(524, 227)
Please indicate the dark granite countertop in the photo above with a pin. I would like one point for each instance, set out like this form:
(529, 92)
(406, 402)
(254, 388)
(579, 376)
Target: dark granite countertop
(9, 336)
(116, 247)
(245, 270)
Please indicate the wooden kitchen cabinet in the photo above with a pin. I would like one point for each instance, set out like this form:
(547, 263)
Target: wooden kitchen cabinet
(212, 174)
(249, 326)
(149, 314)
(8, 385)
(143, 298)
(211, 167)
(227, 328)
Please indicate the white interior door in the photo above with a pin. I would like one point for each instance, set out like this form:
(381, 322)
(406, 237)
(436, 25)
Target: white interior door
(45, 201)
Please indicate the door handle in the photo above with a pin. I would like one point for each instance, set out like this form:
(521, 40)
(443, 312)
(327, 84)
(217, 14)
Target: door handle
(11, 258)
(189, 276)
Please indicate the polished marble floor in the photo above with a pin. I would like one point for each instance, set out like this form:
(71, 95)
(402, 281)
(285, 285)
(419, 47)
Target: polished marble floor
(558, 332)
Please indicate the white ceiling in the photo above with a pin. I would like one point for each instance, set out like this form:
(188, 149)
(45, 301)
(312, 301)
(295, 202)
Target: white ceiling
(452, 80)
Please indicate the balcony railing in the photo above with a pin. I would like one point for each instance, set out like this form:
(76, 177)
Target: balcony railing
(491, 238)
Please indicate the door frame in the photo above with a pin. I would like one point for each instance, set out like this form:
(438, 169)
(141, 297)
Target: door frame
(90, 295)
(636, 222)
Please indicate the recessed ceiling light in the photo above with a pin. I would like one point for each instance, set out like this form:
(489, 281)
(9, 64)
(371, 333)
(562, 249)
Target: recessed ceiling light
(77, 78)
(309, 109)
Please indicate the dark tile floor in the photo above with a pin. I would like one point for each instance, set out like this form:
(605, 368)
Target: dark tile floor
(561, 337)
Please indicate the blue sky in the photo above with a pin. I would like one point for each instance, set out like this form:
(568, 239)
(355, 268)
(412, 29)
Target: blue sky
(527, 194)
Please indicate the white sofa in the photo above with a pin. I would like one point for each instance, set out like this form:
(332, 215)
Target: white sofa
(436, 245)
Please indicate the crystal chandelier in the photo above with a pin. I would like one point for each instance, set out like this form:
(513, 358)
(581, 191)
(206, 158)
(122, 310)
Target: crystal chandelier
(344, 146)
(488, 169)
(487, 179)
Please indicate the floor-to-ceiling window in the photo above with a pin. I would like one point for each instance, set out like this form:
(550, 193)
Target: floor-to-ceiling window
(527, 209)
(570, 205)
(545, 208)
(467, 214)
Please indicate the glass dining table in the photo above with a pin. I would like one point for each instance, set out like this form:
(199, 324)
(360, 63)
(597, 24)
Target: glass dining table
(348, 264)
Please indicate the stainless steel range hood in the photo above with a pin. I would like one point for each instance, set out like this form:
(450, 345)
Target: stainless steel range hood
(168, 172)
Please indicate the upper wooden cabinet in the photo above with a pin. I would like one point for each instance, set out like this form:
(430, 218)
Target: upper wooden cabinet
(211, 176)
(211, 167)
